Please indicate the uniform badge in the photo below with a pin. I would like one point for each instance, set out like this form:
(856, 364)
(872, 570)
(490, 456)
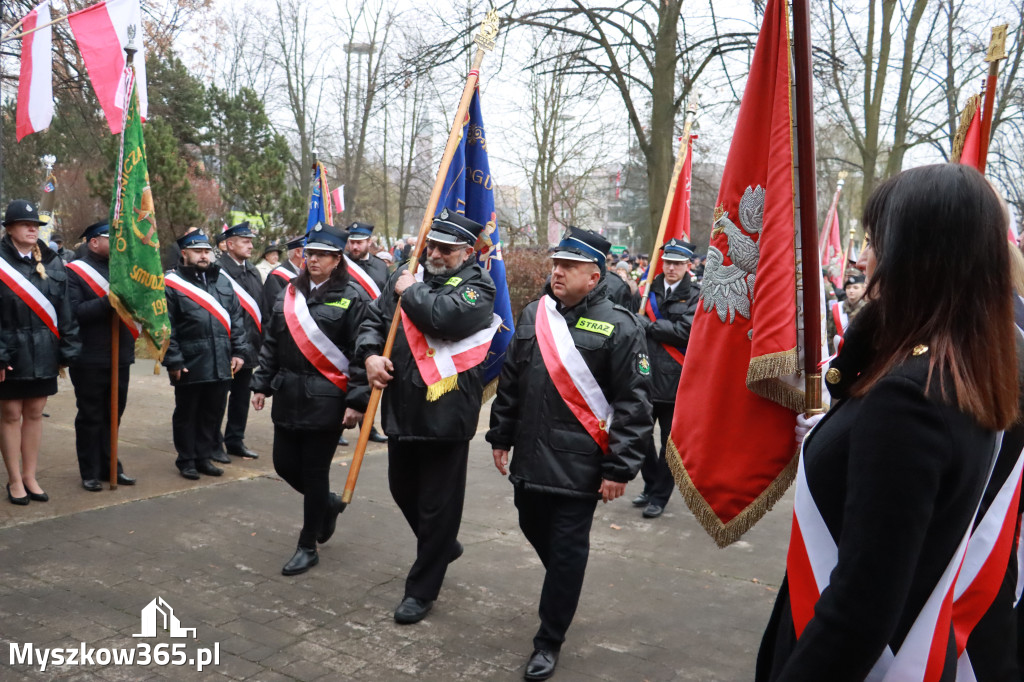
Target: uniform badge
(470, 296)
(444, 214)
(643, 364)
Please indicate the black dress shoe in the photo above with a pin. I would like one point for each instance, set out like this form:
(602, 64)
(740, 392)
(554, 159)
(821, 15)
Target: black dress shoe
(412, 610)
(653, 511)
(342, 442)
(376, 436)
(188, 472)
(125, 479)
(243, 452)
(204, 467)
(37, 497)
(303, 560)
(220, 456)
(330, 521)
(641, 500)
(94, 486)
(541, 665)
(456, 551)
(20, 501)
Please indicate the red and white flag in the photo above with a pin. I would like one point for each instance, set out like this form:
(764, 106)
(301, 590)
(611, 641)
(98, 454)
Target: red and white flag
(338, 195)
(967, 141)
(831, 245)
(731, 447)
(102, 32)
(35, 84)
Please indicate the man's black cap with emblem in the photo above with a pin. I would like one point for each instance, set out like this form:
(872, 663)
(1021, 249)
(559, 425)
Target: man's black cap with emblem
(583, 245)
(326, 238)
(296, 243)
(677, 250)
(357, 231)
(194, 240)
(242, 229)
(454, 228)
(100, 229)
(21, 211)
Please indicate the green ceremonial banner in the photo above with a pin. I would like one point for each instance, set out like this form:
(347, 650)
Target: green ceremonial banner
(136, 275)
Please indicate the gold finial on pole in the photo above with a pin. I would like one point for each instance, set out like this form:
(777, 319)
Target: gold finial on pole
(488, 34)
(997, 46)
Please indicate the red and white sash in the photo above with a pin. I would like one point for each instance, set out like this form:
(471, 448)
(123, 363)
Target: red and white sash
(570, 373)
(812, 556)
(440, 361)
(200, 297)
(101, 287)
(249, 304)
(311, 340)
(839, 316)
(283, 272)
(30, 295)
(362, 278)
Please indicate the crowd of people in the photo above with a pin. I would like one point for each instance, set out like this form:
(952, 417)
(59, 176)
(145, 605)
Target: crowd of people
(892, 484)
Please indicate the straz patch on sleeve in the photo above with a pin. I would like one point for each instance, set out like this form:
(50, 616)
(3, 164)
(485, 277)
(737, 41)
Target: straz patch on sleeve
(596, 326)
(453, 282)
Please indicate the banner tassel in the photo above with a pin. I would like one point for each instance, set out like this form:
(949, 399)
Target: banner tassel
(446, 385)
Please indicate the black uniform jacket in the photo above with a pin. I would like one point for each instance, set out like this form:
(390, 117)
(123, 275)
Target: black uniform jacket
(93, 314)
(248, 277)
(447, 307)
(275, 284)
(199, 342)
(552, 451)
(26, 343)
(674, 329)
(897, 476)
(619, 292)
(375, 268)
(303, 398)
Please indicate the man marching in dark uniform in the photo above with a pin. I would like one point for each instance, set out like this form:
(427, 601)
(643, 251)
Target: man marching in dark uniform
(434, 385)
(573, 404)
(248, 286)
(371, 274)
(284, 273)
(667, 320)
(88, 287)
(207, 347)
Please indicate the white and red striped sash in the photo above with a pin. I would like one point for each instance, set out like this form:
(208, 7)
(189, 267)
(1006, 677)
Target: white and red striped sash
(101, 287)
(570, 373)
(812, 556)
(30, 295)
(199, 297)
(314, 345)
(440, 362)
(248, 303)
(283, 272)
(362, 278)
(840, 318)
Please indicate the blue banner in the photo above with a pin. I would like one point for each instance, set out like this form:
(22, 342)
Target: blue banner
(319, 206)
(469, 189)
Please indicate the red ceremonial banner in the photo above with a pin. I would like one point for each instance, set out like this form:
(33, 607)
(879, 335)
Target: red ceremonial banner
(731, 449)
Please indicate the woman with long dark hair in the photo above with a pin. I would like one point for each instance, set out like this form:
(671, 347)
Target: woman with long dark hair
(304, 364)
(890, 480)
(38, 335)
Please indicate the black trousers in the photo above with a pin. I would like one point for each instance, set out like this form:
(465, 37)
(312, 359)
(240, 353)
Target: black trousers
(198, 409)
(92, 423)
(558, 527)
(428, 482)
(303, 460)
(238, 412)
(658, 481)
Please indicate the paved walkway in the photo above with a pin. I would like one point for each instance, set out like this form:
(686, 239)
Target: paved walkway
(661, 602)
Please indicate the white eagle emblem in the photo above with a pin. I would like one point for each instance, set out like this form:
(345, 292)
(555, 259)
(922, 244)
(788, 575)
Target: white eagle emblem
(730, 288)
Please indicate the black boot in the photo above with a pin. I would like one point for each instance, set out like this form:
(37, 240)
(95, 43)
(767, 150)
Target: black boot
(303, 560)
(330, 521)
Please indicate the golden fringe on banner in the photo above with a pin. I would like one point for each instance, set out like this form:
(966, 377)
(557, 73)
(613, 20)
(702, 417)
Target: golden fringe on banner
(763, 378)
(724, 534)
(490, 390)
(160, 350)
(446, 385)
(973, 103)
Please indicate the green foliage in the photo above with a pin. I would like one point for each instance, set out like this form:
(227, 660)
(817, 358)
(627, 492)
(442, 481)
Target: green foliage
(177, 97)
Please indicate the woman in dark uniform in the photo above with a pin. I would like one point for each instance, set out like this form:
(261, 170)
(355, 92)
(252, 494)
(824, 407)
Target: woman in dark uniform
(303, 364)
(38, 335)
(890, 480)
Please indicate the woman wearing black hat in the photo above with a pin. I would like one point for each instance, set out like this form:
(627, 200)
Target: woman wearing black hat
(304, 365)
(889, 481)
(38, 335)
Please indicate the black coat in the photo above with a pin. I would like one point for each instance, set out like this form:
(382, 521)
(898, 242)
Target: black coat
(673, 329)
(375, 268)
(275, 284)
(897, 475)
(449, 308)
(26, 343)
(199, 342)
(619, 292)
(248, 277)
(93, 313)
(303, 398)
(551, 450)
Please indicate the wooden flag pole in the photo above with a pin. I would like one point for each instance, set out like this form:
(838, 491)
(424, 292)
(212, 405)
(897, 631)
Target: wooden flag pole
(485, 43)
(846, 255)
(996, 53)
(6, 36)
(808, 206)
(684, 150)
(823, 236)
